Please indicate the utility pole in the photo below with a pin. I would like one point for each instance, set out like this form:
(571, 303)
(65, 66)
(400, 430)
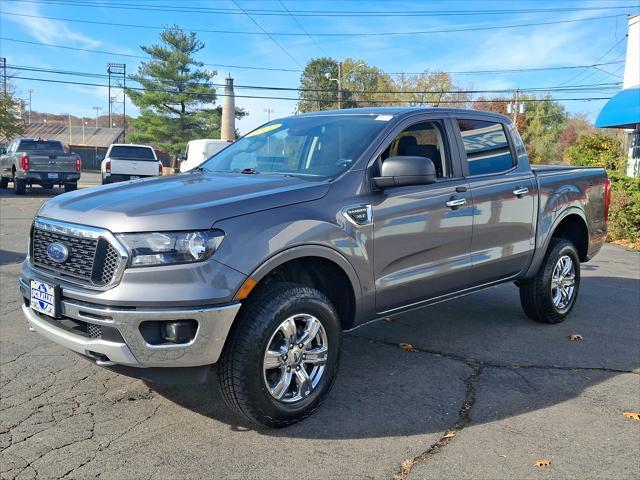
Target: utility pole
(516, 107)
(268, 111)
(5, 99)
(3, 63)
(29, 117)
(97, 109)
(339, 79)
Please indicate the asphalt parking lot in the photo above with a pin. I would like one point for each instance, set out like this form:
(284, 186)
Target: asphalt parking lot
(485, 394)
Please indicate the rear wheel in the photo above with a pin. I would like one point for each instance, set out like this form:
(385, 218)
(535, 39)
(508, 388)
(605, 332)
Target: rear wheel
(282, 355)
(4, 183)
(19, 185)
(550, 296)
(70, 187)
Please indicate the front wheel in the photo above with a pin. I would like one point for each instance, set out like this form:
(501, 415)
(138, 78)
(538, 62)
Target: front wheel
(70, 187)
(551, 294)
(282, 355)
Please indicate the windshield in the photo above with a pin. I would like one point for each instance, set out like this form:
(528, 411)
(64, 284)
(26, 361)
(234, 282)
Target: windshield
(319, 147)
(126, 151)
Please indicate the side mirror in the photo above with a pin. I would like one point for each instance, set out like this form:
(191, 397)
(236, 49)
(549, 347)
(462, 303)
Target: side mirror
(404, 171)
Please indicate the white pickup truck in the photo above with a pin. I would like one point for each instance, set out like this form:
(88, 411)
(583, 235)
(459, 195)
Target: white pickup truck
(129, 162)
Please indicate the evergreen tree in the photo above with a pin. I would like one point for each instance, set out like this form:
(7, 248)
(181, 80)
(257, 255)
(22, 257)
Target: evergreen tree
(177, 99)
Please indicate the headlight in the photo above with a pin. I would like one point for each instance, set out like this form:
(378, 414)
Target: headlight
(165, 248)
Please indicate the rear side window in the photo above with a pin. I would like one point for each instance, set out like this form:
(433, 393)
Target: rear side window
(486, 146)
(40, 145)
(126, 151)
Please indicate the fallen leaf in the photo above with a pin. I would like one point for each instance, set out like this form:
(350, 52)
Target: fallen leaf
(632, 415)
(545, 462)
(450, 434)
(503, 456)
(575, 337)
(407, 465)
(408, 347)
(388, 319)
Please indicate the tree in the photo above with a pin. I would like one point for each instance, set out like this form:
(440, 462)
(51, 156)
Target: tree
(11, 124)
(544, 121)
(576, 126)
(176, 100)
(597, 150)
(365, 85)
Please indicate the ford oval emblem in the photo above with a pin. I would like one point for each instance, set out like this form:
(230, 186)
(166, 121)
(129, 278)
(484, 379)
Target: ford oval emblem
(58, 252)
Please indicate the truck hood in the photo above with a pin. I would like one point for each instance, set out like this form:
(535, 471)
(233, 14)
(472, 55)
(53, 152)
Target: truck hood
(192, 201)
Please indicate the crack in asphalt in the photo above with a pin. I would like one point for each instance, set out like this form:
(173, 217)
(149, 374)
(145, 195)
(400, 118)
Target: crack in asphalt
(463, 420)
(513, 366)
(470, 382)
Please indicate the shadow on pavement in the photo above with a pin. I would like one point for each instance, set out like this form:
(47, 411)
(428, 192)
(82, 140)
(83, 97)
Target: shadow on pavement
(384, 391)
(7, 257)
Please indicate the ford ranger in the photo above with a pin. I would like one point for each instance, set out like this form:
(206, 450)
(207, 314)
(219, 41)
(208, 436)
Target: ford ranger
(129, 162)
(261, 257)
(28, 161)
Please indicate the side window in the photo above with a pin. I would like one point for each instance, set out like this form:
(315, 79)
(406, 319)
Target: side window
(486, 146)
(425, 139)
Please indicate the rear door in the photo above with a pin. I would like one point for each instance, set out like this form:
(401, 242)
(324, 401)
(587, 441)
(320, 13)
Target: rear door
(503, 197)
(422, 240)
(133, 160)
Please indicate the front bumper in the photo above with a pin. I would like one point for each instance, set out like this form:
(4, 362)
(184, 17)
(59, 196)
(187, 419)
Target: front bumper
(129, 347)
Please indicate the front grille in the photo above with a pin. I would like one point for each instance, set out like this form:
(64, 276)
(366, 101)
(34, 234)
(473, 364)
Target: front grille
(92, 261)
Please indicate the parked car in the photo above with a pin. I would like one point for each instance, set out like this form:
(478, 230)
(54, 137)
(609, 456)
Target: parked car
(198, 151)
(29, 161)
(129, 162)
(307, 226)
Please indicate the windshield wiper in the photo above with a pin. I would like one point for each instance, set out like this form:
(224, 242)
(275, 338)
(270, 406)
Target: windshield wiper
(198, 169)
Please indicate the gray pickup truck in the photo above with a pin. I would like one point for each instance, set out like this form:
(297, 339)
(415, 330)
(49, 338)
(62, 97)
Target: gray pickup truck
(260, 258)
(30, 161)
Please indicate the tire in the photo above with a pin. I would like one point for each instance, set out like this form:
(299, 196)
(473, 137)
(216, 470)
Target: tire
(70, 187)
(248, 387)
(540, 300)
(19, 185)
(4, 183)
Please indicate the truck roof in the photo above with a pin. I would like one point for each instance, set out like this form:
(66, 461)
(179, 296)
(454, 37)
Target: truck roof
(405, 111)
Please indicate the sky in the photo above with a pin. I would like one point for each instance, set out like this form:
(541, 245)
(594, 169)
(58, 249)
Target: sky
(594, 32)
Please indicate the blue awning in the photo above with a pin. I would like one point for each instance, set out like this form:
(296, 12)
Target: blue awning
(622, 110)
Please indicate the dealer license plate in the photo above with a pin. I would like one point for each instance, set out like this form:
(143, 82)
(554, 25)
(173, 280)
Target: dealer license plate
(43, 298)
(53, 175)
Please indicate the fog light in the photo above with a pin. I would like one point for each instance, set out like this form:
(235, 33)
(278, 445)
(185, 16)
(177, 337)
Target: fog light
(179, 331)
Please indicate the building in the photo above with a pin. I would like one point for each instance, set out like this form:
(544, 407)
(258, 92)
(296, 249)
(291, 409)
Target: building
(623, 109)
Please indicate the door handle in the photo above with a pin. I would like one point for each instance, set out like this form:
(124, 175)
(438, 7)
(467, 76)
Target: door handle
(519, 192)
(454, 203)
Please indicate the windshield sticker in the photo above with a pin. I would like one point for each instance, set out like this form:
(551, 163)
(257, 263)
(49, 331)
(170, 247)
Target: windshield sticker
(266, 129)
(384, 118)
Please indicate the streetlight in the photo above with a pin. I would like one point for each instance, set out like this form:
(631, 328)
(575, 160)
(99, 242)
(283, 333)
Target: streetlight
(340, 78)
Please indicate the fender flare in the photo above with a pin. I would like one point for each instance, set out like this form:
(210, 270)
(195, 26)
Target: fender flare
(303, 251)
(541, 250)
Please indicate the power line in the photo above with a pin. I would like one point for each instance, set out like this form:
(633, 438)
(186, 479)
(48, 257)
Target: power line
(574, 88)
(321, 13)
(302, 28)
(48, 80)
(275, 69)
(324, 34)
(268, 34)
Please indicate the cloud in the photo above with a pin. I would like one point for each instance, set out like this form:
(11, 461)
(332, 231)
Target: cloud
(50, 31)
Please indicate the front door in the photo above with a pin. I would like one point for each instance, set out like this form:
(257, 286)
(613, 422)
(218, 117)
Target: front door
(422, 234)
(503, 192)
